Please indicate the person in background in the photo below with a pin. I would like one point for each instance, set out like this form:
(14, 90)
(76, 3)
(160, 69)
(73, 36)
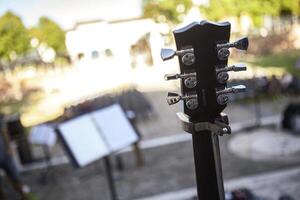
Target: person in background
(274, 86)
(8, 165)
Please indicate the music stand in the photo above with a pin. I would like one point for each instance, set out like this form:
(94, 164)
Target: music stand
(96, 135)
(44, 135)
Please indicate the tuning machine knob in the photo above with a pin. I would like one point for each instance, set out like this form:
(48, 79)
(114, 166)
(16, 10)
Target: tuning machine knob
(191, 101)
(223, 49)
(187, 55)
(222, 97)
(222, 75)
(190, 79)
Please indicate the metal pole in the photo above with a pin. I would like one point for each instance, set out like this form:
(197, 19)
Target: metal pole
(119, 163)
(208, 166)
(110, 179)
(138, 154)
(257, 109)
(47, 158)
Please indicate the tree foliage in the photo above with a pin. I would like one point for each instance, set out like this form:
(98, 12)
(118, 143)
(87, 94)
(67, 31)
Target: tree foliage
(49, 32)
(219, 9)
(290, 7)
(14, 37)
(166, 10)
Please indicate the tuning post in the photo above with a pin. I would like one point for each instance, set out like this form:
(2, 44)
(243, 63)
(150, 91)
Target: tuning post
(188, 58)
(223, 53)
(223, 49)
(222, 75)
(191, 101)
(190, 82)
(222, 97)
(187, 55)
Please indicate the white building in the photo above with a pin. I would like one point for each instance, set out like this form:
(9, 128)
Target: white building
(120, 53)
(98, 40)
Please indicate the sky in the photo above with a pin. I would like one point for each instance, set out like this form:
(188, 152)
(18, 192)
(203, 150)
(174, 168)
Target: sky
(68, 12)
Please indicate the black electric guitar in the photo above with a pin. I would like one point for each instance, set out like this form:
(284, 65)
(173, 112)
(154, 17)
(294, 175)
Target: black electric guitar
(203, 51)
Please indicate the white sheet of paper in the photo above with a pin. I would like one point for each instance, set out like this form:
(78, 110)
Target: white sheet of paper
(43, 135)
(115, 127)
(83, 139)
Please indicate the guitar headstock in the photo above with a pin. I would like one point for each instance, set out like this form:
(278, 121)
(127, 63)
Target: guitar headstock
(203, 51)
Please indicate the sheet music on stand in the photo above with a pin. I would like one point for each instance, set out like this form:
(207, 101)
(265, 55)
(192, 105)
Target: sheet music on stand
(92, 136)
(43, 134)
(82, 140)
(115, 127)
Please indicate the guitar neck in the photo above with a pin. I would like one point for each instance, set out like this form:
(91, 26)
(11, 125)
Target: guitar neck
(208, 166)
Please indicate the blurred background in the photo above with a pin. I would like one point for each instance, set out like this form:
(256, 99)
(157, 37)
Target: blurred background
(60, 59)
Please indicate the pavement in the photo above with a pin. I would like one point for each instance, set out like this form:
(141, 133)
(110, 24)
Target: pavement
(169, 166)
(266, 144)
(282, 181)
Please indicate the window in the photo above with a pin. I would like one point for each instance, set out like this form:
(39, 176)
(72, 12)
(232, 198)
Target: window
(95, 54)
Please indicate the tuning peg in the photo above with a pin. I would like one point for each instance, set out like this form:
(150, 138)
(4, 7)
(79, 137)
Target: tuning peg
(177, 76)
(190, 100)
(223, 52)
(222, 98)
(190, 79)
(235, 68)
(234, 89)
(173, 98)
(188, 57)
(241, 44)
(172, 76)
(222, 75)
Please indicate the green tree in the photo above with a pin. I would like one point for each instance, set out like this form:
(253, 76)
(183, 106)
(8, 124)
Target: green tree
(219, 9)
(51, 33)
(169, 10)
(14, 37)
(290, 7)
